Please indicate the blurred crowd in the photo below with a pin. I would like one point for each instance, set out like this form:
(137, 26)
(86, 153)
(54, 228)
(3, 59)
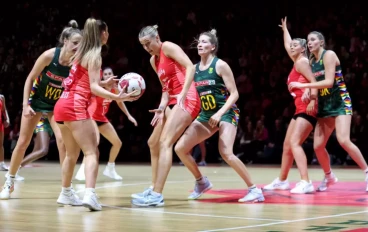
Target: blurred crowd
(250, 41)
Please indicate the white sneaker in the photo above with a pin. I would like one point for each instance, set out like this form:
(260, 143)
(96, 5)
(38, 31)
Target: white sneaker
(110, 172)
(90, 201)
(303, 187)
(16, 178)
(80, 174)
(254, 195)
(366, 180)
(327, 181)
(277, 185)
(7, 189)
(200, 189)
(3, 167)
(69, 198)
(143, 194)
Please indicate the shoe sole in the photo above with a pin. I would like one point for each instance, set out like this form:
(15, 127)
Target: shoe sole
(308, 192)
(328, 185)
(112, 178)
(259, 199)
(149, 205)
(60, 203)
(90, 207)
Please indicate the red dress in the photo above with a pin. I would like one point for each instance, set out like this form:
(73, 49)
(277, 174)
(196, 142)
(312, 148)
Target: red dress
(98, 107)
(172, 75)
(74, 101)
(297, 94)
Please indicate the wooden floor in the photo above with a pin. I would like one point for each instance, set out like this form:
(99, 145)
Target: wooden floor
(33, 205)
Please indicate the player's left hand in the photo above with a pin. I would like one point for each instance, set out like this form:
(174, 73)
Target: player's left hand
(110, 82)
(180, 100)
(306, 96)
(158, 117)
(214, 120)
(311, 107)
(133, 120)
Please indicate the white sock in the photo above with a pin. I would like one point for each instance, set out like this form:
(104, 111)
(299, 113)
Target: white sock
(156, 194)
(66, 190)
(252, 187)
(201, 180)
(90, 190)
(110, 165)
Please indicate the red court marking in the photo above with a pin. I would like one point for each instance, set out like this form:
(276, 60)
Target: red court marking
(357, 230)
(340, 194)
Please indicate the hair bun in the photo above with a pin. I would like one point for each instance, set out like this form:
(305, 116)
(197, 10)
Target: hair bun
(155, 26)
(72, 23)
(213, 31)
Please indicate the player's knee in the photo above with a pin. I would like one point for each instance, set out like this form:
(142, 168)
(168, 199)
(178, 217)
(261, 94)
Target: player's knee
(318, 145)
(165, 143)
(91, 151)
(117, 143)
(153, 143)
(181, 149)
(294, 142)
(344, 140)
(44, 152)
(226, 152)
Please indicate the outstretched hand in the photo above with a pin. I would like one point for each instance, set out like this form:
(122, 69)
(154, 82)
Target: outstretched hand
(123, 96)
(159, 116)
(283, 23)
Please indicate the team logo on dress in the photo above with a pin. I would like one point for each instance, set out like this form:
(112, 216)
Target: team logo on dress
(210, 70)
(205, 82)
(161, 72)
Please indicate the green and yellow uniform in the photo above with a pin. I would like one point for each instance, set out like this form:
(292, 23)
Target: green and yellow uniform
(47, 87)
(332, 101)
(44, 125)
(213, 94)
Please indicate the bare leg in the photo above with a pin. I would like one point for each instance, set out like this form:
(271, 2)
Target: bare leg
(342, 124)
(58, 137)
(171, 132)
(302, 129)
(41, 148)
(195, 133)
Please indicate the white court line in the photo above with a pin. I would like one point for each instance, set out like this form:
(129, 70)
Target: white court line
(194, 214)
(285, 222)
(120, 184)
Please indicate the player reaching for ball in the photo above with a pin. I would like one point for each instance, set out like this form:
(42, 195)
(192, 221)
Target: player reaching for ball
(172, 66)
(98, 108)
(132, 82)
(71, 112)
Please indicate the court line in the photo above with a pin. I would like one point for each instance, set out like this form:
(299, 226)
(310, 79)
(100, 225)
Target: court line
(285, 222)
(120, 184)
(192, 214)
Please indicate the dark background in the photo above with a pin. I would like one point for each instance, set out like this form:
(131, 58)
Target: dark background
(250, 41)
